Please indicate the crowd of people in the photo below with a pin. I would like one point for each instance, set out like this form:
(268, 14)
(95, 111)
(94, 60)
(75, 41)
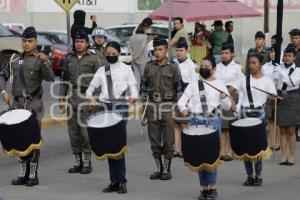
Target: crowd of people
(94, 80)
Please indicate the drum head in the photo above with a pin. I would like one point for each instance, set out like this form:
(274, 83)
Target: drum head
(15, 116)
(246, 122)
(102, 120)
(198, 130)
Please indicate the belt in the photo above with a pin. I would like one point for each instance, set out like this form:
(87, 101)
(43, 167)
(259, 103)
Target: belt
(160, 100)
(37, 94)
(287, 91)
(257, 108)
(209, 115)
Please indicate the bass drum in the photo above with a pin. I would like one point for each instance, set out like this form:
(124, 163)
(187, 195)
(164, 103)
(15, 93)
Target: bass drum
(20, 133)
(201, 148)
(107, 134)
(248, 139)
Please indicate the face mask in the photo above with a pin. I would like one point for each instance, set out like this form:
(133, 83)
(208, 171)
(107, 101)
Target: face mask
(205, 73)
(112, 59)
(288, 65)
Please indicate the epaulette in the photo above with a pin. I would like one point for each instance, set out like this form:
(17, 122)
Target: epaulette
(151, 61)
(91, 51)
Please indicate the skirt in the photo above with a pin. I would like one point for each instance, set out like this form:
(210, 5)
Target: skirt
(288, 113)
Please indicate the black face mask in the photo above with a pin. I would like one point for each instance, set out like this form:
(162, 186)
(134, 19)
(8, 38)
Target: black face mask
(205, 73)
(288, 65)
(112, 59)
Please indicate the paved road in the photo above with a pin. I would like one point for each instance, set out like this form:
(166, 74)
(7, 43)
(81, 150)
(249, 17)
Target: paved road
(55, 184)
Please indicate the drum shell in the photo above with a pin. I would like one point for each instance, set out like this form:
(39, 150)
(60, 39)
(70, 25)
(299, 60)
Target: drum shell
(200, 150)
(108, 141)
(20, 139)
(249, 140)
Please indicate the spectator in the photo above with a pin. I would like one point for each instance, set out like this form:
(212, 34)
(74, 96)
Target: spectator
(229, 29)
(138, 47)
(180, 32)
(78, 25)
(218, 37)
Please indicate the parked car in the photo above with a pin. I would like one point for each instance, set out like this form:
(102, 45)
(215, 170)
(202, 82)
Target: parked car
(16, 26)
(56, 37)
(9, 44)
(124, 32)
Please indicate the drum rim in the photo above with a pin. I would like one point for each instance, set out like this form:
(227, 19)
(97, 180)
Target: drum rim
(200, 126)
(31, 113)
(248, 118)
(102, 112)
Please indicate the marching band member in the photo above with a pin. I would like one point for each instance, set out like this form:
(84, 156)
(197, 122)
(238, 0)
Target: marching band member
(162, 83)
(230, 73)
(288, 76)
(27, 72)
(268, 70)
(187, 68)
(205, 113)
(114, 88)
(252, 104)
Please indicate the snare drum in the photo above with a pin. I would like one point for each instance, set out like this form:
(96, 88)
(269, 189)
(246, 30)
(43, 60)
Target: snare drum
(201, 148)
(107, 134)
(19, 133)
(248, 139)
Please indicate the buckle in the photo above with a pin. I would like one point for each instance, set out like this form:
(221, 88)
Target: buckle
(28, 97)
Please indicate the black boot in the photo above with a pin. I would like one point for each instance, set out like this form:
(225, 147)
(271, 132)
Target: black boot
(159, 168)
(122, 188)
(33, 175)
(87, 165)
(166, 174)
(112, 187)
(249, 181)
(24, 173)
(78, 163)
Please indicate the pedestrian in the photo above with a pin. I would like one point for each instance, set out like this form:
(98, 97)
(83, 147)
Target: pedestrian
(161, 83)
(260, 48)
(79, 68)
(27, 72)
(218, 37)
(231, 74)
(79, 25)
(251, 105)
(138, 47)
(99, 38)
(114, 87)
(204, 112)
(188, 73)
(288, 80)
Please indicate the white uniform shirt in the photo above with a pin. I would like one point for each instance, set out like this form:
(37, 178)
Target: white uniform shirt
(231, 74)
(259, 98)
(122, 78)
(188, 70)
(268, 69)
(292, 81)
(190, 99)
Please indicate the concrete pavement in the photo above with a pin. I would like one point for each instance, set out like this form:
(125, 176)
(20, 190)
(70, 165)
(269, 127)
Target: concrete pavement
(280, 182)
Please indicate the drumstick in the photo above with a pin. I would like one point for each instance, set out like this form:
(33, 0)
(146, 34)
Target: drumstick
(275, 129)
(143, 116)
(217, 89)
(276, 96)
